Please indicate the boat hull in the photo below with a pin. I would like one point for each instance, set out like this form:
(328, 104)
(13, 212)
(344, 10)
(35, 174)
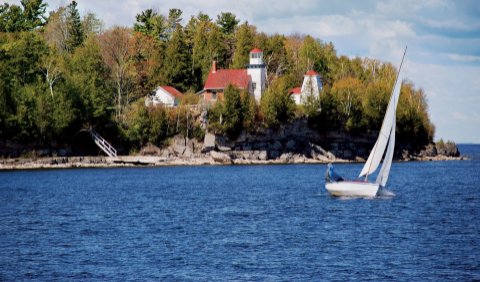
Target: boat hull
(352, 189)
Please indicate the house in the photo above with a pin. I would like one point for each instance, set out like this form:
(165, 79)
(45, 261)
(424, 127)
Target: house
(252, 79)
(311, 86)
(165, 95)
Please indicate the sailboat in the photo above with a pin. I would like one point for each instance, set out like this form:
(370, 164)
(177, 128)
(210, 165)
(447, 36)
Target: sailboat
(384, 147)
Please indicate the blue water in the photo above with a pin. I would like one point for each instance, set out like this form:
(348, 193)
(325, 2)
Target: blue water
(239, 223)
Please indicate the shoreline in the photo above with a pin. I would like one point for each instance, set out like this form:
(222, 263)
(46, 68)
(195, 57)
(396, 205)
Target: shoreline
(154, 161)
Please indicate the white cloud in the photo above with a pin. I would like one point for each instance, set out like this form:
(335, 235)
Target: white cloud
(463, 58)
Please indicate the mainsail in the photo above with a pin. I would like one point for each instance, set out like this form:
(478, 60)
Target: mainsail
(388, 126)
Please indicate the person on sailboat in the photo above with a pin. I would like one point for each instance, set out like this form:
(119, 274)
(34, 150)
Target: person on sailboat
(331, 176)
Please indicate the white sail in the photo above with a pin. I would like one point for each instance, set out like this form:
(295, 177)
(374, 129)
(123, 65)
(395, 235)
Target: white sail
(388, 122)
(387, 160)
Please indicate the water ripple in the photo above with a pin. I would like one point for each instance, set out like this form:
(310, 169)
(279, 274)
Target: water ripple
(239, 223)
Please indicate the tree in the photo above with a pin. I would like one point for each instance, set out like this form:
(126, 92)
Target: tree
(309, 53)
(377, 95)
(413, 123)
(116, 53)
(152, 24)
(91, 25)
(173, 21)
(277, 106)
(33, 13)
(205, 48)
(228, 22)
(76, 33)
(275, 57)
(51, 70)
(175, 69)
(232, 111)
(56, 32)
(347, 93)
(244, 37)
(145, 61)
(249, 111)
(11, 18)
(87, 77)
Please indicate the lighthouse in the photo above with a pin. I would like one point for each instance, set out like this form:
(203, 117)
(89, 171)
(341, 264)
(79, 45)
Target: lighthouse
(256, 71)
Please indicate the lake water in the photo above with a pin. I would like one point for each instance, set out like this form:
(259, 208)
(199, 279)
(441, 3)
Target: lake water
(210, 223)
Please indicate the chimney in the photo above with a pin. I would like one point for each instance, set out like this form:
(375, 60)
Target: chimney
(214, 67)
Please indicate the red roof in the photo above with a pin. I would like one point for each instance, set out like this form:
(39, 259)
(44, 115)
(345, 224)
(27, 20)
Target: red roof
(256, 50)
(174, 92)
(311, 72)
(296, 90)
(221, 78)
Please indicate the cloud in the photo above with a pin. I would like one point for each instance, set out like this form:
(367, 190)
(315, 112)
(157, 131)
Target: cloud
(462, 58)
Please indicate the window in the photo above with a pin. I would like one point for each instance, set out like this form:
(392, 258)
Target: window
(254, 86)
(214, 95)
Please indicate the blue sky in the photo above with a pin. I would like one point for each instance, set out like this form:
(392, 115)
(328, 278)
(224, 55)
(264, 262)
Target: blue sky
(443, 39)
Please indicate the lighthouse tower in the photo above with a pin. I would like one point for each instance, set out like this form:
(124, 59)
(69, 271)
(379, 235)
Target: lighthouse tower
(256, 70)
(312, 85)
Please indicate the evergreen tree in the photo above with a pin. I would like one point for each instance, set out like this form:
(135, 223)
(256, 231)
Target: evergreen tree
(76, 34)
(173, 21)
(277, 106)
(11, 18)
(228, 22)
(244, 44)
(175, 69)
(152, 24)
(232, 111)
(33, 13)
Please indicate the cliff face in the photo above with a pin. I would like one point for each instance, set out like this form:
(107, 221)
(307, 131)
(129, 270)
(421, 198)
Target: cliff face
(298, 138)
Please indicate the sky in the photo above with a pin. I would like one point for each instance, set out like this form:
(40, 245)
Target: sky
(443, 39)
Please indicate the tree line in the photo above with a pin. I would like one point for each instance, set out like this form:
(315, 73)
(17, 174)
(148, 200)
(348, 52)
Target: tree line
(62, 72)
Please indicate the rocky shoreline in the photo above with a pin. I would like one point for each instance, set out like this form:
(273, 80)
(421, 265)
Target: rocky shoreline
(291, 144)
(210, 158)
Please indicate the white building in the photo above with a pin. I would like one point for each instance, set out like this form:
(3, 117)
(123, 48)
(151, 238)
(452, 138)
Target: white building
(257, 72)
(311, 87)
(165, 95)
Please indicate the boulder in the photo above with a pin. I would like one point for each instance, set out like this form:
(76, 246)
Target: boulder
(179, 144)
(208, 142)
(298, 158)
(262, 155)
(220, 157)
(286, 157)
(150, 150)
(430, 151)
(331, 156)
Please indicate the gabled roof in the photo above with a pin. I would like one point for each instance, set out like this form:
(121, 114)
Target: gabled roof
(256, 50)
(296, 91)
(221, 78)
(173, 91)
(311, 72)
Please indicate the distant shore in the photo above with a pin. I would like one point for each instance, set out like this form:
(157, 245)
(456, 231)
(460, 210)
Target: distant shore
(154, 161)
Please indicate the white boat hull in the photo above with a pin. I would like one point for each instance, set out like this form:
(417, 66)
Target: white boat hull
(352, 189)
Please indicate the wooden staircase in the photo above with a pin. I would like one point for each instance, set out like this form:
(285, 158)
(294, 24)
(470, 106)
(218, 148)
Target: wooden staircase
(103, 144)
